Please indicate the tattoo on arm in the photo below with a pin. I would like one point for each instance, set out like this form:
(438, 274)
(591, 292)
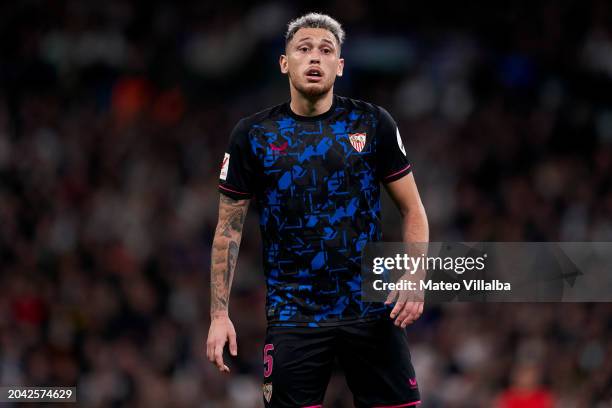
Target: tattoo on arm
(225, 251)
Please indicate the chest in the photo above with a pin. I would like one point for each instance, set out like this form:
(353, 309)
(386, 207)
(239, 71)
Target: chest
(319, 148)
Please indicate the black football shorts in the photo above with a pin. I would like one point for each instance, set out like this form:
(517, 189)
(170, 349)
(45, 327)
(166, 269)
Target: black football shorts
(374, 355)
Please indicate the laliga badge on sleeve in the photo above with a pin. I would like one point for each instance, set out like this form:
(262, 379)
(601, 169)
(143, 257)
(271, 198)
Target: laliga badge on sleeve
(224, 167)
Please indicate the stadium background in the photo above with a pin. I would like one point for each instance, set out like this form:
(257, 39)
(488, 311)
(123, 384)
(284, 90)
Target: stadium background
(113, 120)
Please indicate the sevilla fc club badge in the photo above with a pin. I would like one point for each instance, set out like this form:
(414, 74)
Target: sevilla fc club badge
(357, 140)
(267, 391)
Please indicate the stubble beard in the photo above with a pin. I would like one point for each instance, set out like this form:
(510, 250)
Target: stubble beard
(310, 91)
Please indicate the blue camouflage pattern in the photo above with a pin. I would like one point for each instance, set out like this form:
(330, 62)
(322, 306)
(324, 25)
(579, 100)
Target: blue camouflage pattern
(319, 204)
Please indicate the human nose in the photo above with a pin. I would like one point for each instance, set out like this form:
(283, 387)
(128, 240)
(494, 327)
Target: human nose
(315, 56)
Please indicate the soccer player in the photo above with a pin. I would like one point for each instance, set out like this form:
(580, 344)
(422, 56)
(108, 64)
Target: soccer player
(313, 167)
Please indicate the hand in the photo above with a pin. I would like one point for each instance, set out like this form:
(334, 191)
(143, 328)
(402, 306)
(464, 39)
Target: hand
(221, 330)
(408, 307)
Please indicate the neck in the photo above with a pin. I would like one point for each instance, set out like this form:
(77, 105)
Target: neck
(304, 106)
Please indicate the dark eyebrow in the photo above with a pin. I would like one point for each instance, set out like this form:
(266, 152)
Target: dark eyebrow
(323, 40)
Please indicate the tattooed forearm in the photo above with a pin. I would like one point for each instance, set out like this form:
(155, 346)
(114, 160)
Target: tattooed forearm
(225, 251)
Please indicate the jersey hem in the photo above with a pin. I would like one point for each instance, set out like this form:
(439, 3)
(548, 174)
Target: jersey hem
(235, 194)
(398, 174)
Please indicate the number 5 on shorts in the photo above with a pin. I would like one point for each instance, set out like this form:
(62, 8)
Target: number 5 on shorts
(268, 360)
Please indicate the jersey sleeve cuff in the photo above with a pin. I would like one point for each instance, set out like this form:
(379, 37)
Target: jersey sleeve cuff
(234, 193)
(396, 175)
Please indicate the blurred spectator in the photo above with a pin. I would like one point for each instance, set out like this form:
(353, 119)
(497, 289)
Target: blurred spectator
(525, 390)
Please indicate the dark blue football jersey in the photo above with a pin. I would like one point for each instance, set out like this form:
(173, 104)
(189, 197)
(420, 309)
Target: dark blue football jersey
(316, 184)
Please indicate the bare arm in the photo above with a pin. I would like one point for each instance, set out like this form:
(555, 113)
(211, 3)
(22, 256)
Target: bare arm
(415, 229)
(225, 252)
(226, 243)
(406, 196)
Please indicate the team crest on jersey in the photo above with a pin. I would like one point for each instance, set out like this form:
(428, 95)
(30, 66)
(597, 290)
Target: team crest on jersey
(358, 140)
(267, 391)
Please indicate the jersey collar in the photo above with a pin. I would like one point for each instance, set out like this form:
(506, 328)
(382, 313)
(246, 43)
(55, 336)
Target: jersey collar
(320, 116)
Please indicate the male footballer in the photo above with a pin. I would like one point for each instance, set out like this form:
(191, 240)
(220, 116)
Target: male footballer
(314, 166)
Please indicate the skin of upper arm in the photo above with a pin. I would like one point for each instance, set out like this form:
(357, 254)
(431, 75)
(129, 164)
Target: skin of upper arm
(405, 194)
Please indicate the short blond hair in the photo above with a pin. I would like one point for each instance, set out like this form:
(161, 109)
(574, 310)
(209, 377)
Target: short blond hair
(315, 20)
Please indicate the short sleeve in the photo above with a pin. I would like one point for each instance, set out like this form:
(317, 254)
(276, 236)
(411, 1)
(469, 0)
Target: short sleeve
(392, 159)
(236, 175)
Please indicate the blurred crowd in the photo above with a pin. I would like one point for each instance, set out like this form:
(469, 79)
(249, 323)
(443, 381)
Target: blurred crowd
(113, 120)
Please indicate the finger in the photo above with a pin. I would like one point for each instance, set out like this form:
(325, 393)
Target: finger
(420, 311)
(399, 306)
(402, 314)
(405, 314)
(406, 302)
(233, 346)
(209, 351)
(411, 315)
(416, 312)
(391, 297)
(219, 356)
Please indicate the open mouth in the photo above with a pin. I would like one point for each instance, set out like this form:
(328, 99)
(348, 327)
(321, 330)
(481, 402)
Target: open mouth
(314, 74)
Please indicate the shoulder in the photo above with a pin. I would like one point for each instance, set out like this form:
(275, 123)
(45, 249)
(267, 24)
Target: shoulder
(247, 122)
(352, 104)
